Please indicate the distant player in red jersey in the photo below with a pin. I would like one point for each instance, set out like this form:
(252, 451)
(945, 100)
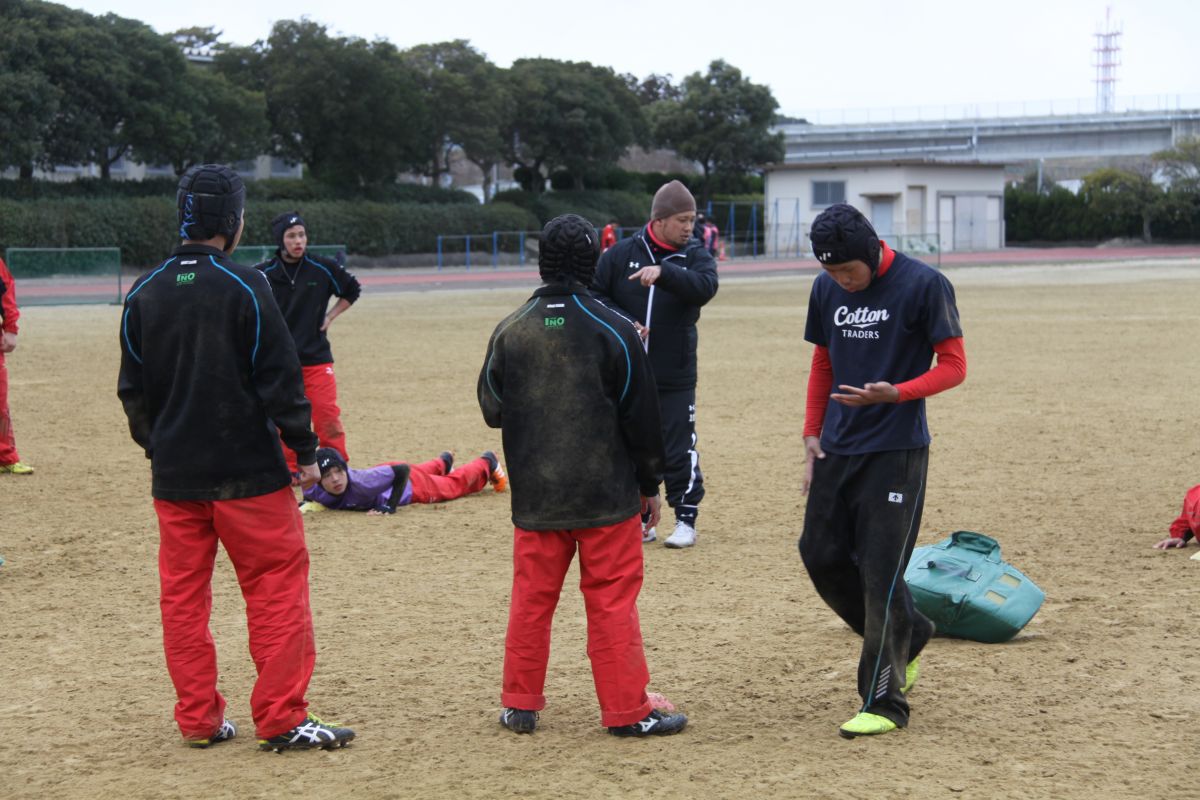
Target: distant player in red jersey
(1186, 525)
(608, 237)
(10, 462)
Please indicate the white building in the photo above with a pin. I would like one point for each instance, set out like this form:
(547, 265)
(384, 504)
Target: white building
(917, 205)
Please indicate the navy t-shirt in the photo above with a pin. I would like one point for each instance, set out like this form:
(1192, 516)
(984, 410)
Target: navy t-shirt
(885, 332)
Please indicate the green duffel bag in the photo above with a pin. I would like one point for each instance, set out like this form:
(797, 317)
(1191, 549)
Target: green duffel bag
(963, 585)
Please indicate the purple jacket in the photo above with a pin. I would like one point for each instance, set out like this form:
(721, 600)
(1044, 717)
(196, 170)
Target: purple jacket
(366, 489)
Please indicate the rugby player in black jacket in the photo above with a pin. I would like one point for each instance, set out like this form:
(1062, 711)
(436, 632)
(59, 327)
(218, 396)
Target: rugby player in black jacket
(660, 277)
(567, 382)
(208, 372)
(303, 284)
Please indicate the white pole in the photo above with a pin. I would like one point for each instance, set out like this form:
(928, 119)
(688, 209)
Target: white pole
(649, 309)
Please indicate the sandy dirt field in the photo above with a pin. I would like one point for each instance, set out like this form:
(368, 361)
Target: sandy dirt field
(1072, 442)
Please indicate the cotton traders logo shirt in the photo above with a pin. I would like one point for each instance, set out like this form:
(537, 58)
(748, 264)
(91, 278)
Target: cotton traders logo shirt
(884, 333)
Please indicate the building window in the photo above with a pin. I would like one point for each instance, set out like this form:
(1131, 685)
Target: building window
(826, 193)
(282, 168)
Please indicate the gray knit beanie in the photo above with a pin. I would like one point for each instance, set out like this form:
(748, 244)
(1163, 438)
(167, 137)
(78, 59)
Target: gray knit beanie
(671, 199)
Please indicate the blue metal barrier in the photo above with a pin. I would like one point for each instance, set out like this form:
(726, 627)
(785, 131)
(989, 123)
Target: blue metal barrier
(470, 247)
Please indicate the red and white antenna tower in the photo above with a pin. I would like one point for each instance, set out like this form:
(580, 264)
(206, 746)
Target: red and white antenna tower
(1108, 58)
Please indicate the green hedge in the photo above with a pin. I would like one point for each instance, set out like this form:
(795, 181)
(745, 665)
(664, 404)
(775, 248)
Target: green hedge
(1059, 215)
(87, 188)
(300, 190)
(628, 208)
(376, 229)
(619, 179)
(308, 190)
(1056, 215)
(144, 228)
(631, 209)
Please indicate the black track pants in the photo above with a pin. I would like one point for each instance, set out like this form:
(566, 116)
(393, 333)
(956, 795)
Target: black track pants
(684, 482)
(859, 528)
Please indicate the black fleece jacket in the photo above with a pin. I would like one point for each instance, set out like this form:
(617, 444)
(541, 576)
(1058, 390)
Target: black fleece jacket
(207, 364)
(302, 291)
(687, 282)
(566, 380)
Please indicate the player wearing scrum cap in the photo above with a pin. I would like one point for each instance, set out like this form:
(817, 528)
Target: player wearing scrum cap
(303, 284)
(876, 318)
(567, 382)
(208, 371)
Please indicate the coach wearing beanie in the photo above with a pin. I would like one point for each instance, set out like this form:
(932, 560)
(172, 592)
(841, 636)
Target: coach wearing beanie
(876, 318)
(303, 285)
(567, 382)
(660, 277)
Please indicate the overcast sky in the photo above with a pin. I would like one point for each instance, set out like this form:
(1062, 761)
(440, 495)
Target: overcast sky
(814, 56)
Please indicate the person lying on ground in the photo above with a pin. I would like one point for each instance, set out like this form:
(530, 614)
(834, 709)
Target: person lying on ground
(385, 487)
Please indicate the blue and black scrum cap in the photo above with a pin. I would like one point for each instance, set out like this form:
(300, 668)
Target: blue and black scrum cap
(210, 202)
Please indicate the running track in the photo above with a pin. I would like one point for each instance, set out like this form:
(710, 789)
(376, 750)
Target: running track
(63, 291)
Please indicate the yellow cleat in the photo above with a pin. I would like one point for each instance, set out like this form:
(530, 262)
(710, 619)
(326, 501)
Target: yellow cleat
(311, 507)
(911, 673)
(17, 468)
(227, 731)
(865, 724)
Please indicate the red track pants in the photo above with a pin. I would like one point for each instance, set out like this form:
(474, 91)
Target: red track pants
(8, 444)
(431, 484)
(610, 566)
(320, 387)
(265, 541)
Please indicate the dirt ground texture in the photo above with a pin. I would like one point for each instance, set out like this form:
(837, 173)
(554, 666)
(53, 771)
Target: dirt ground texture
(1072, 442)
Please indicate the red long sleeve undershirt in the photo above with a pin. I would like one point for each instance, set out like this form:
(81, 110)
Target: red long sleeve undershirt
(1188, 522)
(950, 371)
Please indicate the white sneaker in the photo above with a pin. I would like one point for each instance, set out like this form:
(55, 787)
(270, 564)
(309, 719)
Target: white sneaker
(649, 535)
(684, 536)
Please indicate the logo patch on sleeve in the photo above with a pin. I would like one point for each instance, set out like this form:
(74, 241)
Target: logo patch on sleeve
(895, 497)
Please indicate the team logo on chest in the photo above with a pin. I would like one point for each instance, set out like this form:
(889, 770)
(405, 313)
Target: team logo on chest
(858, 323)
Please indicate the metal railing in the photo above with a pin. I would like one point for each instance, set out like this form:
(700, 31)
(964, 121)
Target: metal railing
(991, 110)
(495, 247)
